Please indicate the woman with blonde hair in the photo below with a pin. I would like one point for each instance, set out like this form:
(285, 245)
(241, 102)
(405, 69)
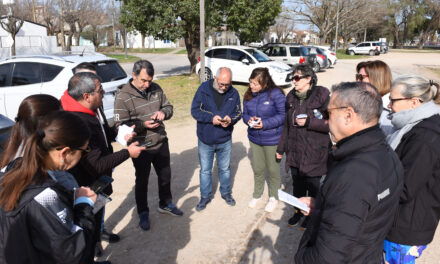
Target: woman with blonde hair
(378, 73)
(416, 141)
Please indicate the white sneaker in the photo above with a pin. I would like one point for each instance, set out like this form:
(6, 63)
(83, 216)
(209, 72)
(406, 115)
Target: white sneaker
(254, 202)
(271, 205)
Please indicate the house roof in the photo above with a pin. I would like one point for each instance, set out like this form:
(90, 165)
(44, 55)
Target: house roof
(3, 17)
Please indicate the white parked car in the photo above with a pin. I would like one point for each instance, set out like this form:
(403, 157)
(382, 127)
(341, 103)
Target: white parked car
(331, 55)
(369, 47)
(242, 61)
(22, 76)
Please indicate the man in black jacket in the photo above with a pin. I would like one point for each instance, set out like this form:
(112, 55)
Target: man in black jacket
(357, 200)
(84, 98)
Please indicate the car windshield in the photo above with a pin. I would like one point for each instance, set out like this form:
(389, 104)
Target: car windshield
(258, 55)
(109, 71)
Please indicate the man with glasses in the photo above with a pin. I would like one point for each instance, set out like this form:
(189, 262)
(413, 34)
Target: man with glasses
(83, 98)
(358, 198)
(216, 107)
(143, 103)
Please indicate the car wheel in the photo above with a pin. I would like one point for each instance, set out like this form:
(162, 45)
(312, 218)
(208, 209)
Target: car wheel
(352, 53)
(372, 53)
(208, 75)
(329, 63)
(317, 67)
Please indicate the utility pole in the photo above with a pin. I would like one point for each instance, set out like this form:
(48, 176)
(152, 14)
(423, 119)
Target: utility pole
(365, 35)
(337, 24)
(113, 23)
(202, 40)
(62, 25)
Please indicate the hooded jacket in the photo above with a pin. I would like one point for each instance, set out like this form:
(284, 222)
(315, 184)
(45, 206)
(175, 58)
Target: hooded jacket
(356, 203)
(204, 108)
(45, 227)
(101, 160)
(418, 214)
(270, 106)
(306, 147)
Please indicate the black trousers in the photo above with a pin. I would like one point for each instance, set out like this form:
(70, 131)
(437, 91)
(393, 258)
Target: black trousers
(303, 184)
(160, 158)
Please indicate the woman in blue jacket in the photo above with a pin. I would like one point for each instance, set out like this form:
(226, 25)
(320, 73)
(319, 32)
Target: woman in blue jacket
(264, 112)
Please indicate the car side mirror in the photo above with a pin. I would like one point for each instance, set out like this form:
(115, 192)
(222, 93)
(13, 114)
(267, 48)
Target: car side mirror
(245, 61)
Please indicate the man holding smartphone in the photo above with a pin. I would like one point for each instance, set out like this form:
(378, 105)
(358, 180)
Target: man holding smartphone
(216, 107)
(143, 103)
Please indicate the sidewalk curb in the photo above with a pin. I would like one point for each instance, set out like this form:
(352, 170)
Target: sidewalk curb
(241, 248)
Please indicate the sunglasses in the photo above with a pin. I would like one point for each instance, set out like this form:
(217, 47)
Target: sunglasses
(326, 113)
(296, 78)
(360, 77)
(393, 100)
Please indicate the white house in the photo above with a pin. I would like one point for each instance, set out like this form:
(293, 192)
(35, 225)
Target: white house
(134, 40)
(31, 39)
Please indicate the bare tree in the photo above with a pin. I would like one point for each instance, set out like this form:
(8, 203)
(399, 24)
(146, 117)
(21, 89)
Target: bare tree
(13, 22)
(284, 26)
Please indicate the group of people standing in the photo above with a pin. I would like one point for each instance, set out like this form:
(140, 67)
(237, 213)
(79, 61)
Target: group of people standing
(364, 158)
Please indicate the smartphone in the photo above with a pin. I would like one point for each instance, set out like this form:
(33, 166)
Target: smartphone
(101, 183)
(301, 116)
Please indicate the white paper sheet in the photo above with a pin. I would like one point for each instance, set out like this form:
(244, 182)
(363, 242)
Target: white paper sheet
(123, 130)
(292, 200)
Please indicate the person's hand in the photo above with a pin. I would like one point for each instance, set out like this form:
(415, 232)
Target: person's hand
(258, 125)
(129, 137)
(278, 155)
(310, 202)
(151, 124)
(251, 120)
(159, 115)
(300, 121)
(85, 192)
(135, 150)
(226, 121)
(216, 120)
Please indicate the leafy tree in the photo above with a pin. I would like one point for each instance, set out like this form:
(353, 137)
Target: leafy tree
(173, 19)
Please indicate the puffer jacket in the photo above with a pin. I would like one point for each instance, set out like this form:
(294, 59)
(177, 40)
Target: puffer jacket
(203, 109)
(419, 208)
(306, 147)
(270, 106)
(133, 108)
(356, 203)
(45, 227)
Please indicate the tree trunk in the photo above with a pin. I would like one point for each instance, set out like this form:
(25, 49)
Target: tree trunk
(396, 37)
(143, 40)
(422, 40)
(192, 44)
(69, 41)
(13, 45)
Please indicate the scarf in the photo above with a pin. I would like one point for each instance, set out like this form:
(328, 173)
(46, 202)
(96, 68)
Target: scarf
(405, 120)
(301, 96)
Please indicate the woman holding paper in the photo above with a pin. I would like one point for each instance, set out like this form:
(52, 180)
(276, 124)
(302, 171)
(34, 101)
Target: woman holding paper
(263, 112)
(305, 138)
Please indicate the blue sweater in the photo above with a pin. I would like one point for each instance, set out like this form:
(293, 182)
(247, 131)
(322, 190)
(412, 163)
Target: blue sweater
(271, 108)
(203, 109)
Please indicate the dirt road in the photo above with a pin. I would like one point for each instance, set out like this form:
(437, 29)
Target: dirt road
(220, 233)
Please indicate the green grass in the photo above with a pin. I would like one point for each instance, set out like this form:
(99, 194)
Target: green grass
(415, 50)
(137, 50)
(180, 90)
(341, 55)
(121, 57)
(182, 52)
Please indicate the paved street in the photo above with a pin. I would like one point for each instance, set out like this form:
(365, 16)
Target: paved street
(221, 234)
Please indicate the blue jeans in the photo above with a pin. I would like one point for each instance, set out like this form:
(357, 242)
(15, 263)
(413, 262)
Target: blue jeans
(206, 157)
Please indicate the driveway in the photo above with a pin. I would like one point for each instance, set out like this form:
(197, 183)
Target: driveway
(220, 233)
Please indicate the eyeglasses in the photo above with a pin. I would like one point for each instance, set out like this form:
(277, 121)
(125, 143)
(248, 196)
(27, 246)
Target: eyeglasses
(226, 85)
(296, 78)
(360, 77)
(393, 100)
(100, 90)
(83, 151)
(326, 113)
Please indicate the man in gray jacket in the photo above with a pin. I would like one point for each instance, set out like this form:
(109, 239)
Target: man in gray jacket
(142, 102)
